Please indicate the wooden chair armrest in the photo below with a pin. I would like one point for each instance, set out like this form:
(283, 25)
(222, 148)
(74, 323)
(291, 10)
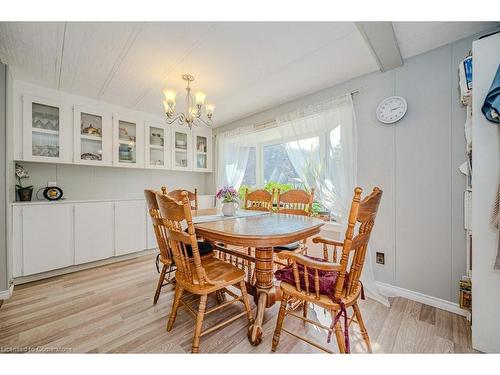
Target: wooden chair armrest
(327, 241)
(308, 262)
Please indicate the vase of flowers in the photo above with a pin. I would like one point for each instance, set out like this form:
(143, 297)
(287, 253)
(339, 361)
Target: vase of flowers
(229, 197)
(23, 192)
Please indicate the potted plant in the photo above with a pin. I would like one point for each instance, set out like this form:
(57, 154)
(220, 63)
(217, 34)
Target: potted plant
(23, 192)
(229, 197)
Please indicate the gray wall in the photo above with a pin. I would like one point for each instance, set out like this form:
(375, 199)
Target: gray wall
(3, 194)
(415, 162)
(88, 182)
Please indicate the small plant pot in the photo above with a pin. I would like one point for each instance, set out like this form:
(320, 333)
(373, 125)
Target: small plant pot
(229, 209)
(25, 194)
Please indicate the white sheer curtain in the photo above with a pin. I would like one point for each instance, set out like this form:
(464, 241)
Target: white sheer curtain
(232, 149)
(321, 143)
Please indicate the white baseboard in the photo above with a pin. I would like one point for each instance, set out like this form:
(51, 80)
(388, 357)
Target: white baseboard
(5, 294)
(395, 291)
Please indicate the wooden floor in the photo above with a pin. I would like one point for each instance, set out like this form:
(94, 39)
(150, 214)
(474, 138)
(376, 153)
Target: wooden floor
(110, 309)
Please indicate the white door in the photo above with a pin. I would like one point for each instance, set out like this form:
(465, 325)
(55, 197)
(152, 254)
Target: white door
(17, 241)
(130, 227)
(202, 150)
(93, 137)
(47, 237)
(46, 130)
(93, 231)
(182, 148)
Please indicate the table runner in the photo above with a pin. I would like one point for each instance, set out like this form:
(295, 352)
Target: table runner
(217, 217)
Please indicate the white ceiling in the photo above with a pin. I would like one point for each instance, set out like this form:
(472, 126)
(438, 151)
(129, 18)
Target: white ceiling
(244, 67)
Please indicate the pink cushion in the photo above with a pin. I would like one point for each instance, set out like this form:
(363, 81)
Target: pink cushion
(327, 279)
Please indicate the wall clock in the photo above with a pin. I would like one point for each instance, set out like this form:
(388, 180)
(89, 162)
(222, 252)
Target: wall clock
(391, 109)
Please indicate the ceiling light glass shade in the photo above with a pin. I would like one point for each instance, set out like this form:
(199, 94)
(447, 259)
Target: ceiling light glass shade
(166, 105)
(200, 98)
(210, 109)
(169, 96)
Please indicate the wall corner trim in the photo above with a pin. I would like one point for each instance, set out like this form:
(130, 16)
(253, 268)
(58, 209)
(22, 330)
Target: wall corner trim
(395, 291)
(6, 294)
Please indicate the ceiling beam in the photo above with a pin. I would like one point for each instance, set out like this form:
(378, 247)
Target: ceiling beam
(381, 40)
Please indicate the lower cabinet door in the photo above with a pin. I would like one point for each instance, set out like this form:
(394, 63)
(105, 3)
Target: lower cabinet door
(130, 227)
(93, 231)
(47, 237)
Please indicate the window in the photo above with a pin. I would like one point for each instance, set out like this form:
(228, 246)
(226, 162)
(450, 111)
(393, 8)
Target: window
(278, 167)
(250, 177)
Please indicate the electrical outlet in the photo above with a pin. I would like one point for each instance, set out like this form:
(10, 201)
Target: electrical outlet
(380, 257)
(51, 183)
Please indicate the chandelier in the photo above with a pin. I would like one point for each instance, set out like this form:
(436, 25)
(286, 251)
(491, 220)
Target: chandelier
(194, 106)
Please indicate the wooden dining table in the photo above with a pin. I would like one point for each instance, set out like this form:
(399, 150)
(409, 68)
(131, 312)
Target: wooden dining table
(261, 231)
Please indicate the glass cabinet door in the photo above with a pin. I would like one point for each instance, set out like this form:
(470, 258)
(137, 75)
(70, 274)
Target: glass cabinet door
(91, 133)
(157, 144)
(181, 149)
(127, 142)
(201, 151)
(45, 141)
(92, 136)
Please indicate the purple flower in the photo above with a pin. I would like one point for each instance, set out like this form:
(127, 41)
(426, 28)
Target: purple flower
(228, 194)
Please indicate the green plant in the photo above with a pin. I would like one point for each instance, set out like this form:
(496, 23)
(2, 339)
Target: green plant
(269, 186)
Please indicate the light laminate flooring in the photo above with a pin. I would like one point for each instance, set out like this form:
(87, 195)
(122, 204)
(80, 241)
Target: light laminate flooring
(109, 309)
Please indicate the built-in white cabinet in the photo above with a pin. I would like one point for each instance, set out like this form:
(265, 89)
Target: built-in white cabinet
(93, 238)
(128, 141)
(202, 149)
(157, 141)
(55, 127)
(93, 137)
(46, 135)
(47, 238)
(130, 227)
(182, 148)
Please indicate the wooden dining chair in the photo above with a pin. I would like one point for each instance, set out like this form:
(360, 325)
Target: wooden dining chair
(295, 202)
(177, 195)
(165, 255)
(259, 200)
(197, 275)
(331, 283)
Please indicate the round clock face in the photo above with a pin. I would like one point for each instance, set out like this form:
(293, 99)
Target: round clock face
(391, 109)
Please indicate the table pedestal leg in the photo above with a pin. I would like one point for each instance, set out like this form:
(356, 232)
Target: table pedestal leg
(264, 276)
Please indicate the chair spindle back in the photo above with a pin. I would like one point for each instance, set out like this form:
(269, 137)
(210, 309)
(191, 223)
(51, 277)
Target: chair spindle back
(193, 197)
(173, 215)
(353, 255)
(259, 200)
(295, 202)
(154, 213)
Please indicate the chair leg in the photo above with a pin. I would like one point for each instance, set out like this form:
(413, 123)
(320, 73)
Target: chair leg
(177, 299)
(305, 309)
(161, 280)
(279, 322)
(220, 296)
(339, 335)
(362, 327)
(246, 302)
(199, 322)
